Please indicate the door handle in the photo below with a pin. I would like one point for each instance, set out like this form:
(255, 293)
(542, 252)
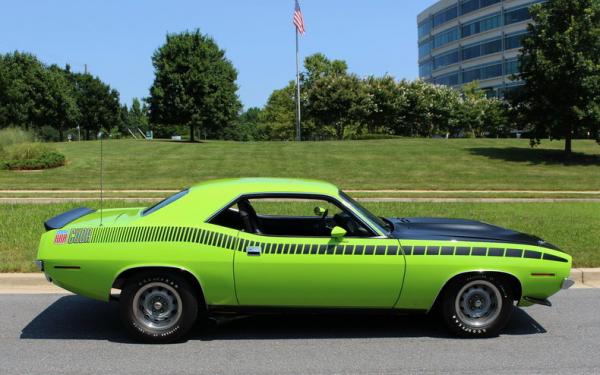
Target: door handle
(253, 250)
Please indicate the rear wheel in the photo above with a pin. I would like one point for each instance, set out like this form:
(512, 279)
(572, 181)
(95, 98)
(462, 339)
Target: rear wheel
(477, 305)
(158, 307)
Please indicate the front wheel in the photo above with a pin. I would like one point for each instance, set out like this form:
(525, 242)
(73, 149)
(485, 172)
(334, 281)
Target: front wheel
(158, 307)
(477, 306)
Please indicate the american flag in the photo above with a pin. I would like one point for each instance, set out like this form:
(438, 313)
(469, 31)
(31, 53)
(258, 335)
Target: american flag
(298, 19)
(61, 236)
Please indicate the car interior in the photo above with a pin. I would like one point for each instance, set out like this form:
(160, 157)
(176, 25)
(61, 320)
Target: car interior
(243, 216)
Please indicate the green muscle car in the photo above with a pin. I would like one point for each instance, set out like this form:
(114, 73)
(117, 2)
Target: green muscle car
(265, 244)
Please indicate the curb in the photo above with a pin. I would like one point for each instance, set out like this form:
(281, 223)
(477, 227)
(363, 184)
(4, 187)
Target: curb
(27, 283)
(36, 283)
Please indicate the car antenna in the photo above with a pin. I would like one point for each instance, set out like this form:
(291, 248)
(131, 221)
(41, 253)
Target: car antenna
(100, 134)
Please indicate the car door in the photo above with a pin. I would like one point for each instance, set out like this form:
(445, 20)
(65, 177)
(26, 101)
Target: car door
(317, 271)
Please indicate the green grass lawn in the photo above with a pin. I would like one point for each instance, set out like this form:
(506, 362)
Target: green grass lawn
(359, 195)
(575, 227)
(479, 164)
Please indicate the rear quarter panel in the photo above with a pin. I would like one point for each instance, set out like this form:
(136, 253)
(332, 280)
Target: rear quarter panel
(112, 250)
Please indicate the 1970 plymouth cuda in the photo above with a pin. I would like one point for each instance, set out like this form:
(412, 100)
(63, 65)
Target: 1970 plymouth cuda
(259, 244)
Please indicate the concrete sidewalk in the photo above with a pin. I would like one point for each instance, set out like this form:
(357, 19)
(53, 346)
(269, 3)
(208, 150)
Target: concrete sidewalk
(36, 283)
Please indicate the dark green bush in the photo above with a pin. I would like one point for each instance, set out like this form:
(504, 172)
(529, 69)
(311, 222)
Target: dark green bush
(48, 134)
(28, 156)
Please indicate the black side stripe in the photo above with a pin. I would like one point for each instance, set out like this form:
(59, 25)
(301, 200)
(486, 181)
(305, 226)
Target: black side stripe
(210, 238)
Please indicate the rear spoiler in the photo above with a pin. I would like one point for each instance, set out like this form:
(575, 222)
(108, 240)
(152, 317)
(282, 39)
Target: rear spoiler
(65, 218)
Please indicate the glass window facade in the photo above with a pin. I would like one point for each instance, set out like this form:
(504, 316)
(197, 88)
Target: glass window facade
(424, 49)
(448, 79)
(514, 41)
(446, 59)
(516, 15)
(482, 25)
(424, 28)
(425, 69)
(482, 72)
(446, 37)
(445, 15)
(447, 31)
(511, 67)
(482, 49)
(468, 6)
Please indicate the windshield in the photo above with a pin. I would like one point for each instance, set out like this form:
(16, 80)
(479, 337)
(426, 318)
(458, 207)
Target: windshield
(164, 202)
(377, 220)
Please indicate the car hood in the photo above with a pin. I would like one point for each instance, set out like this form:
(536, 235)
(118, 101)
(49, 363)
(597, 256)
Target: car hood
(425, 228)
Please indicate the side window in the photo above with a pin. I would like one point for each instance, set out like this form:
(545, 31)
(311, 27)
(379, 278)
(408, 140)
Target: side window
(289, 216)
(229, 218)
(293, 207)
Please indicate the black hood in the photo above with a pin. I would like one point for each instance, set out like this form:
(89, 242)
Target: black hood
(426, 228)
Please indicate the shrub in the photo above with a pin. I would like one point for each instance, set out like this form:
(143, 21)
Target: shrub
(48, 134)
(12, 136)
(27, 156)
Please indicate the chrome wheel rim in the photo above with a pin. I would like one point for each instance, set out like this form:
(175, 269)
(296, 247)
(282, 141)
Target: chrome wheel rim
(478, 303)
(157, 306)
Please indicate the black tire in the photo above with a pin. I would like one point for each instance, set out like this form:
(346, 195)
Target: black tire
(158, 307)
(477, 305)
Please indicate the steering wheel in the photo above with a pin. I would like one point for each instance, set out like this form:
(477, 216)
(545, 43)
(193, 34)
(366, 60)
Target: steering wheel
(345, 221)
(323, 212)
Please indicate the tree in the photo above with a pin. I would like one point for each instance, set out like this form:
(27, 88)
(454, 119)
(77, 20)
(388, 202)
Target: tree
(194, 84)
(35, 96)
(387, 105)
(277, 120)
(138, 114)
(22, 87)
(60, 104)
(560, 63)
(97, 102)
(337, 103)
(319, 66)
(246, 128)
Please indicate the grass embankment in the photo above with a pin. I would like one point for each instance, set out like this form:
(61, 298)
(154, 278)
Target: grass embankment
(442, 164)
(384, 194)
(575, 227)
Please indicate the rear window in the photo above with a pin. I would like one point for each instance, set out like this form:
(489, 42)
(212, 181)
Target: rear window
(164, 202)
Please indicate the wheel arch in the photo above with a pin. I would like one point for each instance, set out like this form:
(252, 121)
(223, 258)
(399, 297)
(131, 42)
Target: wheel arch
(513, 281)
(121, 278)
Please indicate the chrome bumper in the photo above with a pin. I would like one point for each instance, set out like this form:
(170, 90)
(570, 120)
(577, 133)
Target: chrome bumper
(567, 283)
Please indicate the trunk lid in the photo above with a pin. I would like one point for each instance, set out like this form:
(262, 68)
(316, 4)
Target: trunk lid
(85, 217)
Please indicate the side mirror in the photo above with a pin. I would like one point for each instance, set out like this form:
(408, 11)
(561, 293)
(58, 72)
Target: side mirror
(338, 232)
(319, 211)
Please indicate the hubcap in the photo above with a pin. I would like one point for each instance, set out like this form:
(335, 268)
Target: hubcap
(478, 303)
(157, 306)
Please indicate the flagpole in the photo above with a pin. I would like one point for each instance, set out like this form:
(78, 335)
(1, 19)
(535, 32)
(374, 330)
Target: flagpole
(298, 134)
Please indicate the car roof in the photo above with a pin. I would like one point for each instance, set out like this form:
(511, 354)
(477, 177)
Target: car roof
(255, 185)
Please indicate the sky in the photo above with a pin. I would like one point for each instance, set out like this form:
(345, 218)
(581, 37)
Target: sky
(116, 39)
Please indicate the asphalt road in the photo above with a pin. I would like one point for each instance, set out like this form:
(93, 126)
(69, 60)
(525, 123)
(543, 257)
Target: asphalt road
(69, 334)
